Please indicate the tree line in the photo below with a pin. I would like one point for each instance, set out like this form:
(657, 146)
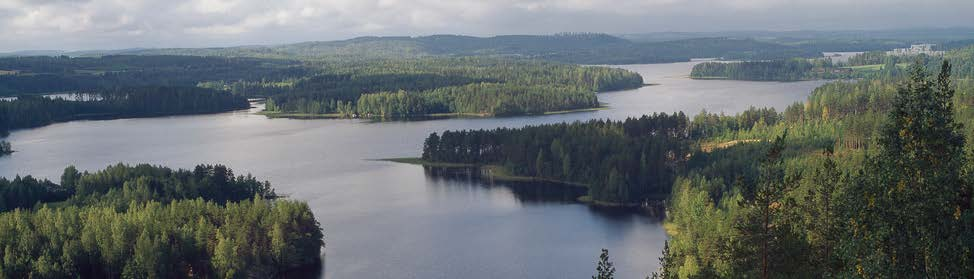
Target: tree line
(152, 222)
(473, 85)
(620, 161)
(34, 111)
(774, 70)
(44, 74)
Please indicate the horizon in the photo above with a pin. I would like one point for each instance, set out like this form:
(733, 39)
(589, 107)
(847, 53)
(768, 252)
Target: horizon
(105, 25)
(691, 35)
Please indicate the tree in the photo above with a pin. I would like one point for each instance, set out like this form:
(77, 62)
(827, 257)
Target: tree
(822, 223)
(909, 222)
(604, 270)
(767, 245)
(665, 263)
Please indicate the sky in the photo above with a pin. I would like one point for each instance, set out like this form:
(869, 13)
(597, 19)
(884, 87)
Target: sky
(117, 24)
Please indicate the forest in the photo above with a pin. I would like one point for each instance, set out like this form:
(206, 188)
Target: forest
(776, 70)
(381, 87)
(867, 65)
(45, 74)
(148, 221)
(865, 179)
(470, 85)
(623, 162)
(34, 111)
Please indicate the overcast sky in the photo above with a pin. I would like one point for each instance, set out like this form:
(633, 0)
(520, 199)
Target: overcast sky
(112, 24)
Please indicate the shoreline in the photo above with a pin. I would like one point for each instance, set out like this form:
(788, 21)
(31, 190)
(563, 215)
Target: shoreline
(294, 115)
(498, 173)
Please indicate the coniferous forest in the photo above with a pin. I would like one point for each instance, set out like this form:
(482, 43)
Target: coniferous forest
(148, 221)
(864, 179)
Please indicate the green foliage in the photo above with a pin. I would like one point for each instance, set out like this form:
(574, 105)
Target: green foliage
(182, 239)
(604, 268)
(42, 74)
(891, 199)
(35, 111)
(5, 148)
(911, 222)
(152, 222)
(776, 70)
(470, 85)
(621, 161)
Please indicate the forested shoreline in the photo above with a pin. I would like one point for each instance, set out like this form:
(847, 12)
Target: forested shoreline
(867, 65)
(620, 162)
(472, 85)
(148, 221)
(35, 111)
(777, 70)
(381, 88)
(843, 185)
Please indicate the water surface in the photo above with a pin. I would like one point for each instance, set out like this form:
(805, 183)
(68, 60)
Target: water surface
(388, 220)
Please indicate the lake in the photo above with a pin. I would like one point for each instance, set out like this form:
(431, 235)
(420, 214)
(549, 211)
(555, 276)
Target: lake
(389, 220)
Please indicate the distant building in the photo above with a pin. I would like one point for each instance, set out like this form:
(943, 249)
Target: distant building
(915, 50)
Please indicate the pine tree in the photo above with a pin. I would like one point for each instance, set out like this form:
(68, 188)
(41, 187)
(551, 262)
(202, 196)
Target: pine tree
(604, 270)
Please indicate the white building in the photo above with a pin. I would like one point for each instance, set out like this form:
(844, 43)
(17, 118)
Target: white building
(915, 50)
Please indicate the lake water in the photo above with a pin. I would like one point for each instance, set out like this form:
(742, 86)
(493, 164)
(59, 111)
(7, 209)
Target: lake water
(388, 220)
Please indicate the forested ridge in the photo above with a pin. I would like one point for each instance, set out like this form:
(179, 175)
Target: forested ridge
(580, 48)
(148, 221)
(44, 74)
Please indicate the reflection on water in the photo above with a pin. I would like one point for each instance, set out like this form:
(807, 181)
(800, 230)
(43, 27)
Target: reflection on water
(531, 192)
(524, 192)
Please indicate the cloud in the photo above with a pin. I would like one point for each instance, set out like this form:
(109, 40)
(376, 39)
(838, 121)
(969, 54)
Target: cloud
(91, 24)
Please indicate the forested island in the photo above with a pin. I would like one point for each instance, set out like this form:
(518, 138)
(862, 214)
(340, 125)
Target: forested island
(148, 221)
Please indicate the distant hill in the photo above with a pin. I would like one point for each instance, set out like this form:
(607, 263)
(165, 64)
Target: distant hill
(580, 48)
(829, 41)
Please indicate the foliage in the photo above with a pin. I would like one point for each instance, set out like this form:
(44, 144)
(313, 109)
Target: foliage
(894, 201)
(604, 270)
(776, 70)
(152, 222)
(35, 111)
(182, 239)
(621, 161)
(472, 85)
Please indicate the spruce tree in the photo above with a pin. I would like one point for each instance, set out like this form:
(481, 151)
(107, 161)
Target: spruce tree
(604, 270)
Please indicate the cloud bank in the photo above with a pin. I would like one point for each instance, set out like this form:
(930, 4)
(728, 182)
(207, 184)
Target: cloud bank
(111, 24)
